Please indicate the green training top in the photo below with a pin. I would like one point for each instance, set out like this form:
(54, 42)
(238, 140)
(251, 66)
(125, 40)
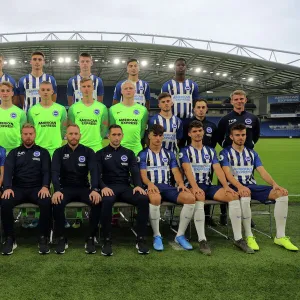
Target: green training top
(92, 121)
(11, 122)
(133, 120)
(50, 125)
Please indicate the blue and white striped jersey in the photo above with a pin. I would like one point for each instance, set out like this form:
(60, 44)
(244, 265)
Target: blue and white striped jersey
(142, 93)
(183, 95)
(201, 162)
(242, 164)
(73, 87)
(29, 87)
(158, 165)
(6, 77)
(173, 130)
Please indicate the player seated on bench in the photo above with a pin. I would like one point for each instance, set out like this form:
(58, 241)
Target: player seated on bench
(239, 163)
(71, 165)
(197, 162)
(156, 164)
(26, 180)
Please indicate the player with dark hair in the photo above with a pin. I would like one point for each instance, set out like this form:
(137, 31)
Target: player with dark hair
(116, 165)
(183, 91)
(210, 139)
(142, 89)
(197, 161)
(156, 164)
(29, 84)
(173, 130)
(238, 163)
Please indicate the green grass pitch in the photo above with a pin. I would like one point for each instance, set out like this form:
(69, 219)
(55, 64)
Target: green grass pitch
(173, 274)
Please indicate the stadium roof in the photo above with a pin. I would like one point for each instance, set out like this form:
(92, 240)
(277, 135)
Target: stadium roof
(215, 66)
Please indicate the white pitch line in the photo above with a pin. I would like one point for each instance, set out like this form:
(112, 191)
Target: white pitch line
(294, 195)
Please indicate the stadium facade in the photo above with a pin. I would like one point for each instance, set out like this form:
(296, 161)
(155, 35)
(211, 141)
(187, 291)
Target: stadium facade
(270, 77)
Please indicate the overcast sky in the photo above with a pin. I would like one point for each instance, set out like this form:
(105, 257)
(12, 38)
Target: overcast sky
(264, 23)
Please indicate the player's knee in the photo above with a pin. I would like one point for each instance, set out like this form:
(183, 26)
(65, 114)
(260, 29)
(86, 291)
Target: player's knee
(231, 197)
(155, 199)
(188, 198)
(200, 198)
(108, 200)
(46, 202)
(279, 193)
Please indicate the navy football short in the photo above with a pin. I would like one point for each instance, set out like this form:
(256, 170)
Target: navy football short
(258, 192)
(209, 190)
(168, 193)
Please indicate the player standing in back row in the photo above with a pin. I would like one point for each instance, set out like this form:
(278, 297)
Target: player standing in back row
(6, 77)
(85, 63)
(142, 89)
(29, 84)
(183, 91)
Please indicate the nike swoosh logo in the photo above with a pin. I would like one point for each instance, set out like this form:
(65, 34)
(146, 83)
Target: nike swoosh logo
(78, 112)
(37, 114)
(118, 112)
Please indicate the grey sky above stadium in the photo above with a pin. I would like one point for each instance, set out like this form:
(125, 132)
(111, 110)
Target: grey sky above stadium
(264, 23)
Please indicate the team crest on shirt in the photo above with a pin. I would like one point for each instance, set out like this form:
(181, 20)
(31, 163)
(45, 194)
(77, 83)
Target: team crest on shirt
(81, 159)
(248, 158)
(141, 88)
(136, 112)
(174, 126)
(96, 111)
(248, 121)
(187, 88)
(13, 115)
(36, 153)
(208, 130)
(206, 156)
(165, 159)
(124, 158)
(55, 113)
